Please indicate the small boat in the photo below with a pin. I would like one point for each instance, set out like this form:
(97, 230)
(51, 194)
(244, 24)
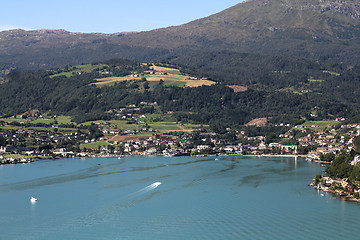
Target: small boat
(32, 199)
(156, 184)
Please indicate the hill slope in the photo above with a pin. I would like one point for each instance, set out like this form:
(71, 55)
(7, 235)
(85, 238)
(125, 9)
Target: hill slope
(309, 28)
(257, 19)
(316, 29)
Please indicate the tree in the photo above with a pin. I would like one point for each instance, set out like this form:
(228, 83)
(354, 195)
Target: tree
(2, 141)
(340, 167)
(317, 178)
(146, 85)
(328, 157)
(356, 142)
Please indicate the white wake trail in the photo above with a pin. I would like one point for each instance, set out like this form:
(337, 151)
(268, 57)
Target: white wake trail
(146, 189)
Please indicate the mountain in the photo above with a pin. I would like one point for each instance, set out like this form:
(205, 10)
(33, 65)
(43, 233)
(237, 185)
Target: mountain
(309, 28)
(53, 48)
(316, 29)
(258, 19)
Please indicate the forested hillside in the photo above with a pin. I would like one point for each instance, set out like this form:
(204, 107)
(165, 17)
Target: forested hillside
(70, 91)
(293, 59)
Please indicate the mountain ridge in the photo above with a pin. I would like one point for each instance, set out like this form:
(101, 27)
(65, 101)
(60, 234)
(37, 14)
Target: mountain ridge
(327, 30)
(256, 19)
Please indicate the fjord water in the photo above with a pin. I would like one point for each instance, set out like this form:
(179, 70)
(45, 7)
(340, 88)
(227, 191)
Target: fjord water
(171, 198)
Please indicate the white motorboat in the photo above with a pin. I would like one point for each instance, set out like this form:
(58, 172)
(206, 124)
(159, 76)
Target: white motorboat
(32, 199)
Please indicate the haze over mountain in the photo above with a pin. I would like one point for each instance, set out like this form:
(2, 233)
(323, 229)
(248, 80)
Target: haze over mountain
(315, 29)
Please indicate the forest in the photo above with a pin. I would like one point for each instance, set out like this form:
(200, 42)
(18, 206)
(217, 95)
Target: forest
(285, 91)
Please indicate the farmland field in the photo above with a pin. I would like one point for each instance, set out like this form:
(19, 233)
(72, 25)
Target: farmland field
(79, 69)
(319, 125)
(47, 120)
(173, 77)
(124, 138)
(114, 124)
(94, 145)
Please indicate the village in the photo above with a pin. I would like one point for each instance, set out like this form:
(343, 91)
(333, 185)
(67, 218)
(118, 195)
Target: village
(24, 140)
(344, 188)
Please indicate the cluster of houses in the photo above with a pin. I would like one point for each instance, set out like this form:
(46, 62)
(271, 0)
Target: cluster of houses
(153, 72)
(341, 187)
(303, 140)
(307, 140)
(330, 141)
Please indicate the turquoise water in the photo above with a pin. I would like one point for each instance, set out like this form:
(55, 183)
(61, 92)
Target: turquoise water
(199, 198)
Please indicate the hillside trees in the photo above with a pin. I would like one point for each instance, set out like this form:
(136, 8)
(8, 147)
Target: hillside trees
(217, 105)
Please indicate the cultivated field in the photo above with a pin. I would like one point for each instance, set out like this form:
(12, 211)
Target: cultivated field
(319, 125)
(124, 138)
(173, 78)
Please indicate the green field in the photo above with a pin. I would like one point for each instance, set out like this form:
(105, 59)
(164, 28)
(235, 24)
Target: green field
(320, 125)
(173, 77)
(175, 83)
(168, 126)
(51, 129)
(173, 126)
(195, 126)
(63, 119)
(78, 69)
(157, 117)
(332, 73)
(315, 80)
(19, 156)
(94, 145)
(46, 120)
(114, 124)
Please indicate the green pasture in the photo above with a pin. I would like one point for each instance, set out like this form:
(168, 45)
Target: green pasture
(320, 125)
(195, 126)
(174, 83)
(332, 73)
(19, 156)
(157, 117)
(78, 69)
(165, 126)
(47, 120)
(315, 80)
(114, 124)
(51, 129)
(94, 145)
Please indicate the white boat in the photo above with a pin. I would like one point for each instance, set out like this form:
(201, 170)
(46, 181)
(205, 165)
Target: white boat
(156, 184)
(32, 199)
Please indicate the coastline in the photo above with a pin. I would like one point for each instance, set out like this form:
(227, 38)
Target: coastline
(339, 194)
(30, 160)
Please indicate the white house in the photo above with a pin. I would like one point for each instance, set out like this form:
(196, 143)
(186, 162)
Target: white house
(356, 160)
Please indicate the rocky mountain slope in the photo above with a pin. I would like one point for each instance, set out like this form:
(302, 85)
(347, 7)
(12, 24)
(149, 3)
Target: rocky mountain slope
(320, 29)
(257, 19)
(315, 29)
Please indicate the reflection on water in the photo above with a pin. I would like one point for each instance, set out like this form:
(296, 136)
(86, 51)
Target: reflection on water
(170, 198)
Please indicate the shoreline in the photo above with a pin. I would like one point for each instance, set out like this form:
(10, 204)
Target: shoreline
(30, 160)
(337, 193)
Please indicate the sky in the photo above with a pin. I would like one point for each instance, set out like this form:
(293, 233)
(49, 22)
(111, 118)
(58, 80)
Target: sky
(105, 16)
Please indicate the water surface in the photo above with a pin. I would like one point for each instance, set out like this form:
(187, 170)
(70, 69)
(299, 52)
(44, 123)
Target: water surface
(198, 198)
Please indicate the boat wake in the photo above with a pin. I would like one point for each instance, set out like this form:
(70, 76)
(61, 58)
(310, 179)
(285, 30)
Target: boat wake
(146, 189)
(105, 214)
